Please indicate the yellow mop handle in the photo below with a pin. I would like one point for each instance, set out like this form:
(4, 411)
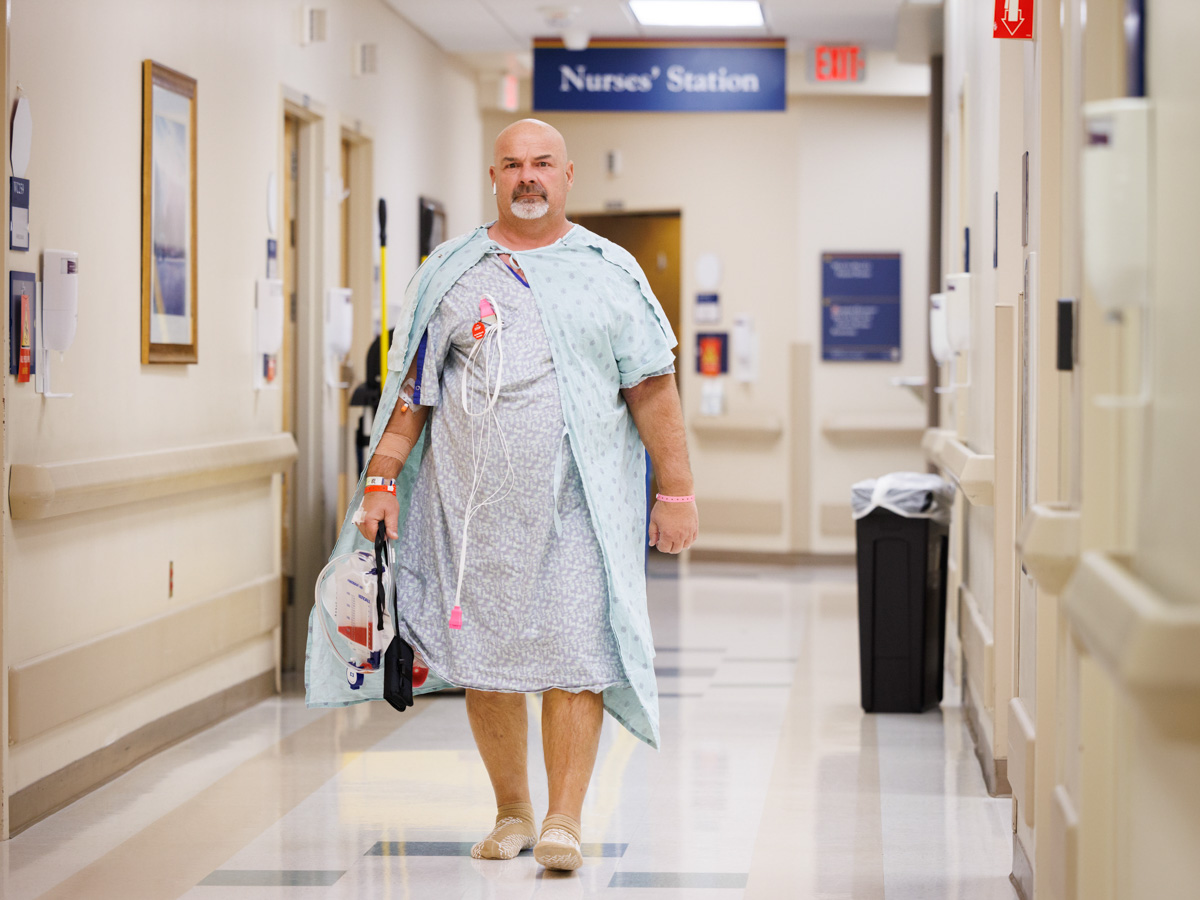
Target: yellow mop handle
(383, 323)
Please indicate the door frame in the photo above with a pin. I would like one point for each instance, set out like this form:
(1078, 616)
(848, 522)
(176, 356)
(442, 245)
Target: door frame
(363, 283)
(309, 508)
(5, 541)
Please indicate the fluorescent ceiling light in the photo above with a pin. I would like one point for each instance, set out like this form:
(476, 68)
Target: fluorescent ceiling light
(698, 13)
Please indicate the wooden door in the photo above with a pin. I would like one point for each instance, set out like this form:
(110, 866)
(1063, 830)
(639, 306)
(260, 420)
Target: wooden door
(654, 240)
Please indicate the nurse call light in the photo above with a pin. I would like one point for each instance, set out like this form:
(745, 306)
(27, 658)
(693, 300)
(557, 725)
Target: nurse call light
(837, 63)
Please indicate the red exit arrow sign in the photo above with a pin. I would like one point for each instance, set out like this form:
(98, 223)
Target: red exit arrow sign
(1014, 20)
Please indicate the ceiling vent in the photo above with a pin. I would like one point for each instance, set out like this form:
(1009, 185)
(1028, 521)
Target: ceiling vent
(366, 59)
(312, 25)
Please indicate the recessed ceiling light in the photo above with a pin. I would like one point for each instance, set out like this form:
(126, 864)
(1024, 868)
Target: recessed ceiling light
(698, 13)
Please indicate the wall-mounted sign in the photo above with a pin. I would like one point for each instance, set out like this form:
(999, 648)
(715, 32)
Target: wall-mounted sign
(1013, 20)
(661, 75)
(860, 307)
(712, 353)
(842, 63)
(708, 309)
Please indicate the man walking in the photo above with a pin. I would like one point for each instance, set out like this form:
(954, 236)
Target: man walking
(511, 474)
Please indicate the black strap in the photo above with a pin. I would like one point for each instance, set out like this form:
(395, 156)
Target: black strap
(380, 570)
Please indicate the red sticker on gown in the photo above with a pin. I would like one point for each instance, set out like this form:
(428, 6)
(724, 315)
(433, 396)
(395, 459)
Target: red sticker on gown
(478, 330)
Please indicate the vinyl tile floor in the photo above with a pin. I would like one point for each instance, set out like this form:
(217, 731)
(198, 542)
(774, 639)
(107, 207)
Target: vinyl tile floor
(771, 783)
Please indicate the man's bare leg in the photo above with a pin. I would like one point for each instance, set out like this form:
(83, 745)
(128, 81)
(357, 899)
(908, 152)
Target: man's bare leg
(571, 726)
(501, 732)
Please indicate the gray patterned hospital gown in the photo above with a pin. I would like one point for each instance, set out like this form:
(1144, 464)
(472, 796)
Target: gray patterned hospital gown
(534, 603)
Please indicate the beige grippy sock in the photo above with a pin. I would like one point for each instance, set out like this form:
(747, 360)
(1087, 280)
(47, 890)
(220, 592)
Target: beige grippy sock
(512, 834)
(558, 847)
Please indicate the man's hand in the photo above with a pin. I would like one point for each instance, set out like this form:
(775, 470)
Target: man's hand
(379, 506)
(673, 526)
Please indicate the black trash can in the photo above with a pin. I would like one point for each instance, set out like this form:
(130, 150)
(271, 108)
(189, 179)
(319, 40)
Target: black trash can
(902, 594)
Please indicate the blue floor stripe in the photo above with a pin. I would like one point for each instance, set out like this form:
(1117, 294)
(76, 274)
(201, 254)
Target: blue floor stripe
(726, 880)
(272, 878)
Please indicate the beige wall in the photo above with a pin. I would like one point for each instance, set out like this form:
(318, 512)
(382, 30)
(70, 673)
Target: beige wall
(768, 193)
(87, 577)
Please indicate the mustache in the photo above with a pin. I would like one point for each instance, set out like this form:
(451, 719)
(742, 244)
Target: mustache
(528, 192)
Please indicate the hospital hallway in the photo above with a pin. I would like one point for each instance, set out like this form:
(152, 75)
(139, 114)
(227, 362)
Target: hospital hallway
(882, 313)
(771, 783)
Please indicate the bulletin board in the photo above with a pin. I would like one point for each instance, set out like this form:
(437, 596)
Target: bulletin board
(860, 307)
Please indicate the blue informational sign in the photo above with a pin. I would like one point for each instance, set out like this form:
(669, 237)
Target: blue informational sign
(860, 307)
(661, 76)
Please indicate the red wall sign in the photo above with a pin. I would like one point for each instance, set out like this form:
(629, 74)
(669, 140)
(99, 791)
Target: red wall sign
(838, 64)
(1014, 20)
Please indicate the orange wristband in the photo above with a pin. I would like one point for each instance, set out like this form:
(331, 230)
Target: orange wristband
(375, 484)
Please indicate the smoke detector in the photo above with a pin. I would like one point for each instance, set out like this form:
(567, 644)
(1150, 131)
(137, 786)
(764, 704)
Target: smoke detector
(563, 20)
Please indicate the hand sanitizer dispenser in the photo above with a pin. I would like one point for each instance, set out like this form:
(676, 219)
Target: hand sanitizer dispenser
(1118, 186)
(958, 311)
(60, 298)
(939, 341)
(1116, 201)
(58, 311)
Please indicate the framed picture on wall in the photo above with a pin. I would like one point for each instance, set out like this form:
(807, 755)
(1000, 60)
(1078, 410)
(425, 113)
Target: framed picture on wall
(169, 298)
(431, 226)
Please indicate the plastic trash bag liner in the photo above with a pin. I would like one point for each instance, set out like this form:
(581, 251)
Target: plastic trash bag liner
(914, 495)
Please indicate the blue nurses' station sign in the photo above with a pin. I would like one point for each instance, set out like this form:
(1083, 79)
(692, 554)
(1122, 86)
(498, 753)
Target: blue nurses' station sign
(860, 307)
(661, 76)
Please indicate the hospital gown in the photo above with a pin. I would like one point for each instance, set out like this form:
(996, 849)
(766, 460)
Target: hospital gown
(534, 601)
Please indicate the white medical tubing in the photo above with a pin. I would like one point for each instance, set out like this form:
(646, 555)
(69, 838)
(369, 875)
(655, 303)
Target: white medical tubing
(481, 442)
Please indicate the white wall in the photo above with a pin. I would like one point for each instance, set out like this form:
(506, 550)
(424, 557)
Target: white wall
(77, 579)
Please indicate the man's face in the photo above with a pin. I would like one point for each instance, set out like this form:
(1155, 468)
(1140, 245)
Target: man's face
(531, 173)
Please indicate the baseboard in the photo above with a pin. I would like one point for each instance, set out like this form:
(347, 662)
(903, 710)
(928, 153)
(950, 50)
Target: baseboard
(48, 795)
(1022, 871)
(754, 557)
(995, 771)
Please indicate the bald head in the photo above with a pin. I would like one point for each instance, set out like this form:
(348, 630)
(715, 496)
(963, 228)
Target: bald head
(531, 176)
(530, 131)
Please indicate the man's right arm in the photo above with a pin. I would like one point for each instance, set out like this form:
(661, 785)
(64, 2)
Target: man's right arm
(403, 429)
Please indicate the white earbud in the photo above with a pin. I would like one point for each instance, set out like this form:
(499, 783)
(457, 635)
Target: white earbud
(493, 188)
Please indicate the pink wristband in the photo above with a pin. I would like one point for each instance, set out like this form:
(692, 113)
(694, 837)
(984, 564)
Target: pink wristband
(665, 499)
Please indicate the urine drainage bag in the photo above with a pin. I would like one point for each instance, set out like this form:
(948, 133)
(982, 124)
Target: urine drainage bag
(355, 596)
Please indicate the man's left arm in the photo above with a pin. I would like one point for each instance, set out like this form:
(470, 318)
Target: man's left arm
(654, 404)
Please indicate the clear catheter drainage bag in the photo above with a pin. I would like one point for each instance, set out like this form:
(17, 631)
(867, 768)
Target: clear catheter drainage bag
(913, 495)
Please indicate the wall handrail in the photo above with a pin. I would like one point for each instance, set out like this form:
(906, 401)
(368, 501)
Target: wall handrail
(868, 425)
(1143, 640)
(975, 473)
(739, 425)
(46, 490)
(1049, 545)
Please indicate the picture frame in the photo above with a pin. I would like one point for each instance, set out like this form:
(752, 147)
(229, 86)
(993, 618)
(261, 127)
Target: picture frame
(170, 302)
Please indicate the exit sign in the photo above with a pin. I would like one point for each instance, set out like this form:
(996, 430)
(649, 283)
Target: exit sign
(1013, 20)
(837, 63)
